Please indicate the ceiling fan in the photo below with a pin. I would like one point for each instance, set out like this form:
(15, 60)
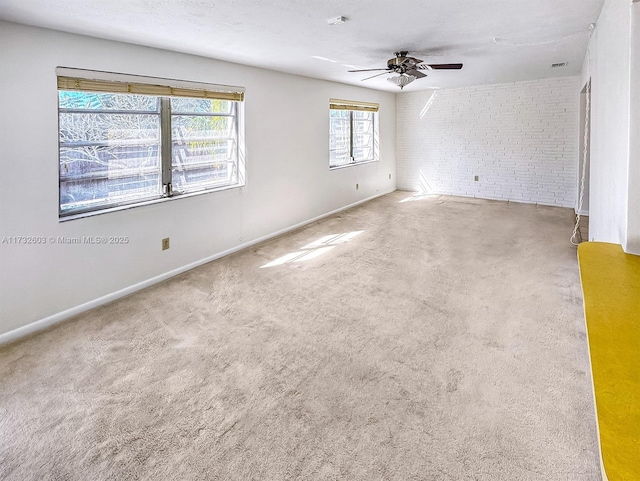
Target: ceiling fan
(407, 68)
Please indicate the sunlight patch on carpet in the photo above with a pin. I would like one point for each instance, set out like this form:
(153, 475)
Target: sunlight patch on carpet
(315, 249)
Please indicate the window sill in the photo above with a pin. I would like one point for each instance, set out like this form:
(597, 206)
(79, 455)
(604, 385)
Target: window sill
(146, 202)
(352, 164)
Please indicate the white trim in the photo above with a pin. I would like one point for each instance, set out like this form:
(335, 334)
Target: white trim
(496, 199)
(142, 203)
(352, 164)
(61, 316)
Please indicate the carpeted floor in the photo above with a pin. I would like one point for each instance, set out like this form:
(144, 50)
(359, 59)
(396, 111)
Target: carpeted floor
(438, 339)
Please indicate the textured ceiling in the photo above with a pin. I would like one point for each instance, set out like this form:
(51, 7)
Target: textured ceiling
(497, 40)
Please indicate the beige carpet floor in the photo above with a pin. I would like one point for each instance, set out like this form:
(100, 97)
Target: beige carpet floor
(436, 339)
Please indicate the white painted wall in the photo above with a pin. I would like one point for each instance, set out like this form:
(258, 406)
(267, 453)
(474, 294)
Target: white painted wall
(521, 139)
(288, 179)
(614, 200)
(633, 209)
(609, 66)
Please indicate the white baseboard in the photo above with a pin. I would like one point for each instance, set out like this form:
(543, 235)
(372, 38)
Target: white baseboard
(495, 199)
(41, 324)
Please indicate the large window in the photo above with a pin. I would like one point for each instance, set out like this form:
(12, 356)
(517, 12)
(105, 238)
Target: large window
(353, 132)
(125, 143)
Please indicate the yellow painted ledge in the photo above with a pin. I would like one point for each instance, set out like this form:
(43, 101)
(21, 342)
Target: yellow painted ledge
(611, 288)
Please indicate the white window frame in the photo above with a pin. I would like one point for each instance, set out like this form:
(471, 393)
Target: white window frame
(163, 89)
(352, 106)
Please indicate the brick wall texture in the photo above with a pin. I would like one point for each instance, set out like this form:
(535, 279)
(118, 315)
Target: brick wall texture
(521, 140)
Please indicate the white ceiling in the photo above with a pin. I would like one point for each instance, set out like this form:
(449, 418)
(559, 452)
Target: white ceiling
(497, 40)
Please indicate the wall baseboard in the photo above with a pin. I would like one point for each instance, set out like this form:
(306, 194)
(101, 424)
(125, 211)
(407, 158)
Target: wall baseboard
(49, 321)
(495, 199)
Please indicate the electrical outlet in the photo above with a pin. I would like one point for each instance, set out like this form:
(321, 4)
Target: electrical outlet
(357, 186)
(389, 176)
(165, 243)
(476, 178)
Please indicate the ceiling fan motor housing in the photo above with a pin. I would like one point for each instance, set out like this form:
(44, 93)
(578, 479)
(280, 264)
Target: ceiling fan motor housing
(401, 63)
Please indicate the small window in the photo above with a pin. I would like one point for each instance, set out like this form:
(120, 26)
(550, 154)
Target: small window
(120, 146)
(353, 133)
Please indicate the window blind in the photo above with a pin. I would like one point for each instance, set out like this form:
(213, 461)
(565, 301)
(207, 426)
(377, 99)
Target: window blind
(337, 104)
(93, 81)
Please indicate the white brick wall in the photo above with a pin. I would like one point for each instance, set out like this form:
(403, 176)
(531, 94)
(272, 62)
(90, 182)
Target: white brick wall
(521, 140)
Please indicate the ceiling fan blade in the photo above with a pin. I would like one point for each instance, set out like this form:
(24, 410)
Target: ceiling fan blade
(368, 70)
(376, 75)
(445, 66)
(416, 73)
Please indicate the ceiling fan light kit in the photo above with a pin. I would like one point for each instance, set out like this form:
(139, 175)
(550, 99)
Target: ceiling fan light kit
(407, 68)
(401, 80)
